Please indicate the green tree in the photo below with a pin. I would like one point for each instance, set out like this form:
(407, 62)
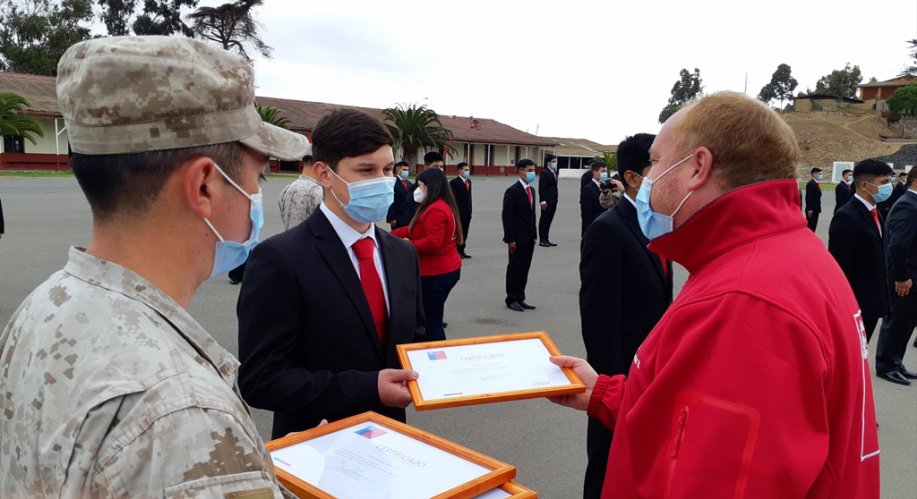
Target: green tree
(12, 122)
(780, 88)
(270, 114)
(904, 102)
(911, 69)
(156, 17)
(840, 82)
(414, 127)
(688, 86)
(34, 34)
(232, 26)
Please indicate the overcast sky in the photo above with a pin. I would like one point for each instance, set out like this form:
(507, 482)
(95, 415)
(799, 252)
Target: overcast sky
(595, 70)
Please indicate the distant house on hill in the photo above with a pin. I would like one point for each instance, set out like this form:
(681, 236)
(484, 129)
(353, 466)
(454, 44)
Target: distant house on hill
(876, 91)
(575, 153)
(824, 102)
(486, 144)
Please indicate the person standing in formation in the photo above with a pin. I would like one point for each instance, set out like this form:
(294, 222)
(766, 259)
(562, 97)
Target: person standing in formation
(461, 190)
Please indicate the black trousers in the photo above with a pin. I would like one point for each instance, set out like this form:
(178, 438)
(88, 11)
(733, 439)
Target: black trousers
(895, 332)
(466, 223)
(517, 272)
(869, 323)
(544, 224)
(598, 443)
(812, 221)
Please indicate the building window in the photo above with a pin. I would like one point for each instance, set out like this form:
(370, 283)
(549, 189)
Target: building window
(13, 144)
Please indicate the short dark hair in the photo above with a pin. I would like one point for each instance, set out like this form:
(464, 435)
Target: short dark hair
(523, 164)
(125, 185)
(903, 173)
(549, 158)
(461, 165)
(432, 157)
(402, 163)
(598, 165)
(438, 188)
(308, 159)
(911, 175)
(815, 170)
(845, 172)
(871, 168)
(346, 133)
(634, 153)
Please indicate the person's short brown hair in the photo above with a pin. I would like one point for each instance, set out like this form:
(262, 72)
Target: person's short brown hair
(749, 141)
(347, 133)
(911, 176)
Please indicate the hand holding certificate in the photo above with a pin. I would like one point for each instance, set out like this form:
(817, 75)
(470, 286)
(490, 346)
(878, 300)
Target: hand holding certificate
(487, 369)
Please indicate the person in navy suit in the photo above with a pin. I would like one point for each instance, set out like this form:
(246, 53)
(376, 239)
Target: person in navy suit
(813, 198)
(548, 193)
(856, 239)
(519, 234)
(461, 190)
(844, 191)
(400, 212)
(589, 205)
(625, 288)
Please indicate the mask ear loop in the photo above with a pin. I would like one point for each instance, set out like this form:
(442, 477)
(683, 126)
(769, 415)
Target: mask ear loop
(214, 230)
(336, 198)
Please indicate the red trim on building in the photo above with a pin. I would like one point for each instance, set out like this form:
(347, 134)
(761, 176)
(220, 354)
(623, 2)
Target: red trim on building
(33, 161)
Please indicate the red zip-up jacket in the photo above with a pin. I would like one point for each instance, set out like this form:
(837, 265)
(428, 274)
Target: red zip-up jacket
(434, 236)
(755, 383)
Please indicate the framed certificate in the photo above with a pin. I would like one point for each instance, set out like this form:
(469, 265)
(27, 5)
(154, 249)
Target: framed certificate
(370, 455)
(488, 369)
(508, 490)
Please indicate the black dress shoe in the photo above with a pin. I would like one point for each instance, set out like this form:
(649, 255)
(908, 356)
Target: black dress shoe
(895, 377)
(907, 374)
(544, 244)
(526, 305)
(515, 306)
(466, 256)
(551, 244)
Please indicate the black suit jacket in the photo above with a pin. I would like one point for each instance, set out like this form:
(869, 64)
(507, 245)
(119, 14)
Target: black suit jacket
(462, 196)
(886, 206)
(518, 215)
(855, 243)
(813, 197)
(901, 233)
(547, 187)
(586, 178)
(623, 292)
(842, 194)
(589, 206)
(400, 210)
(307, 341)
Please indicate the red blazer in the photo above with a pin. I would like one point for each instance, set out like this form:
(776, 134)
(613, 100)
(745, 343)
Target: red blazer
(434, 237)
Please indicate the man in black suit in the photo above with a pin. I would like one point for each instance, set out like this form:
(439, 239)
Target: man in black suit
(587, 175)
(857, 242)
(897, 192)
(547, 192)
(461, 189)
(324, 304)
(844, 191)
(625, 290)
(813, 198)
(901, 228)
(589, 206)
(519, 234)
(399, 213)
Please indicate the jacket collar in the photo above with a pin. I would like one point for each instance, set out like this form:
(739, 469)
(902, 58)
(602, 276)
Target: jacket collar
(740, 216)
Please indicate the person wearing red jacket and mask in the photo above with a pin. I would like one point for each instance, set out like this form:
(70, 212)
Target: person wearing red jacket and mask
(755, 382)
(435, 231)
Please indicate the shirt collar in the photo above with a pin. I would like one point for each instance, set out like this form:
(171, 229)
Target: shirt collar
(869, 206)
(118, 279)
(633, 202)
(347, 234)
(525, 184)
(597, 183)
(912, 191)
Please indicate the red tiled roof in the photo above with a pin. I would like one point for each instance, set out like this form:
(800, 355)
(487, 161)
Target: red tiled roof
(894, 82)
(37, 90)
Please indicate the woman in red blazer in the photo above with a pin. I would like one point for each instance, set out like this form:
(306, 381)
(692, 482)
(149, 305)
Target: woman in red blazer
(435, 231)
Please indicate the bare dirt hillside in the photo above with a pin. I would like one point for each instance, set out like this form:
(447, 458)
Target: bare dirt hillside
(849, 135)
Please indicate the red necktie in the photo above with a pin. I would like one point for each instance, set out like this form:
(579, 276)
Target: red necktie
(468, 186)
(372, 285)
(875, 216)
(404, 183)
(665, 270)
(528, 191)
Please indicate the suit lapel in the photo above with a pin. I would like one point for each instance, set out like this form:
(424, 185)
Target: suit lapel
(628, 215)
(337, 259)
(866, 217)
(388, 252)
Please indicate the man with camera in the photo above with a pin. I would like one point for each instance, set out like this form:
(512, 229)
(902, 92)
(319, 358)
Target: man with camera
(590, 208)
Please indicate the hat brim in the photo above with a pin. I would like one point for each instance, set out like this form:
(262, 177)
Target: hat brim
(279, 143)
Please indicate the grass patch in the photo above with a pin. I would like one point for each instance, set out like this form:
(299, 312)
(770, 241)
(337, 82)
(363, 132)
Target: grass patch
(36, 173)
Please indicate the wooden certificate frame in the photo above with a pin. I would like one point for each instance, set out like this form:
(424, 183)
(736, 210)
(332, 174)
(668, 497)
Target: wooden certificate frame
(517, 491)
(500, 473)
(421, 404)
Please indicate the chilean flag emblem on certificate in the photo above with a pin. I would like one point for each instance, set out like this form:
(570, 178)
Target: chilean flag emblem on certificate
(437, 355)
(370, 432)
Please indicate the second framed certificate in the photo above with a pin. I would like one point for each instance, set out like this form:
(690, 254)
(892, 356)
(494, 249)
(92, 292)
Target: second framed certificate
(488, 369)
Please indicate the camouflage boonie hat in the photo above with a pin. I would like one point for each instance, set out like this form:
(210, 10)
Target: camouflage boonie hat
(146, 93)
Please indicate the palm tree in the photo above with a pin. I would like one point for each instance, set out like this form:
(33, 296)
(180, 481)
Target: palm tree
(12, 122)
(414, 127)
(271, 115)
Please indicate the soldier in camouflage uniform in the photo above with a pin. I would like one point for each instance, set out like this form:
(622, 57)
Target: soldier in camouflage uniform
(301, 197)
(109, 386)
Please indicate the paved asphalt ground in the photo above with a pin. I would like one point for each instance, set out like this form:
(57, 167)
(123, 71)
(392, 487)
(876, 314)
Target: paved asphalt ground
(44, 216)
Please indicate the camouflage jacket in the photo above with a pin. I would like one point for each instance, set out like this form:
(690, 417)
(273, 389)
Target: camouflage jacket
(299, 199)
(110, 388)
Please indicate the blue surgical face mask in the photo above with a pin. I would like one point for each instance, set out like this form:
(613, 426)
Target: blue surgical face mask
(465, 173)
(230, 254)
(405, 174)
(655, 224)
(369, 199)
(553, 165)
(529, 177)
(603, 176)
(885, 191)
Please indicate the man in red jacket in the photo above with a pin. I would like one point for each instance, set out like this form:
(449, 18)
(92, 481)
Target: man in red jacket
(755, 383)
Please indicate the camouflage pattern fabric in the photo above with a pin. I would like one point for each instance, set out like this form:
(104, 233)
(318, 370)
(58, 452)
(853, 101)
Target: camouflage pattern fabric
(110, 388)
(299, 199)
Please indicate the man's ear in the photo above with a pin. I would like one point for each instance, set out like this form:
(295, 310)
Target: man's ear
(198, 179)
(322, 172)
(703, 168)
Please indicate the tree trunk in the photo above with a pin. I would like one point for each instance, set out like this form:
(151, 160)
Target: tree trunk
(410, 155)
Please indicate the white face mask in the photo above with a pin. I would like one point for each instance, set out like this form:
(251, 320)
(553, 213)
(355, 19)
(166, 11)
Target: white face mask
(419, 195)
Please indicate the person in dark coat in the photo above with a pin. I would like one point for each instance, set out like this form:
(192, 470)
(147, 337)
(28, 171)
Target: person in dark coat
(461, 190)
(400, 212)
(548, 193)
(813, 198)
(897, 192)
(625, 289)
(857, 242)
(519, 234)
(844, 191)
(589, 204)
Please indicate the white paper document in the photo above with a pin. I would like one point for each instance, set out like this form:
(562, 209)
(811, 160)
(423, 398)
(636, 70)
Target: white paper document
(485, 368)
(369, 460)
(494, 494)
